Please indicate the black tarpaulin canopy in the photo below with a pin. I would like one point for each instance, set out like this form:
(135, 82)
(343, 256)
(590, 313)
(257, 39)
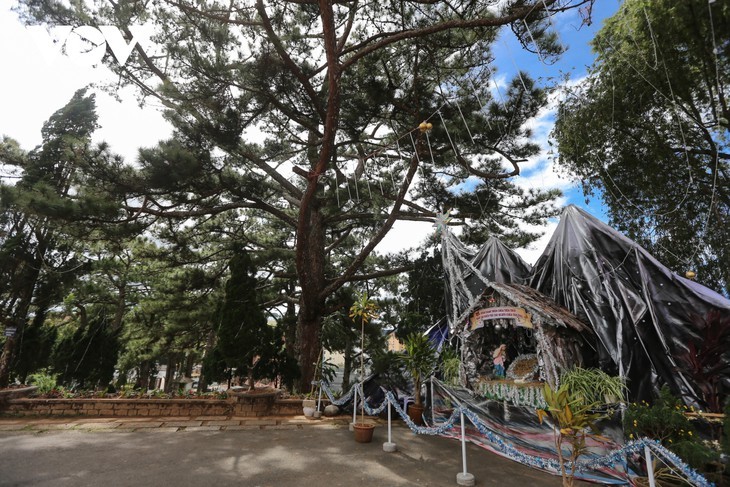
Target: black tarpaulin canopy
(495, 262)
(646, 320)
(644, 315)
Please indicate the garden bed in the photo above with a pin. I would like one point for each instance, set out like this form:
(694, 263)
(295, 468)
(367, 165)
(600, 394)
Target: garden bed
(241, 404)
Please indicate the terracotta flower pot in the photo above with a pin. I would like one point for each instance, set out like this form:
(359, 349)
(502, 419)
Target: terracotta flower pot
(363, 432)
(416, 413)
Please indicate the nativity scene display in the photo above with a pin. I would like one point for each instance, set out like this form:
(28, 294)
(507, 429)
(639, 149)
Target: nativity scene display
(517, 339)
(597, 323)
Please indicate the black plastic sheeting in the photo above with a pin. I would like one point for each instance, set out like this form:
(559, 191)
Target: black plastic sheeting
(496, 262)
(641, 311)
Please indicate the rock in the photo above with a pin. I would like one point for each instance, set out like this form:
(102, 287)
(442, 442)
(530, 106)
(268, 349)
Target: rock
(331, 410)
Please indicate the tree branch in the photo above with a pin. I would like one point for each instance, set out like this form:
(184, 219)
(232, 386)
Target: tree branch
(378, 41)
(492, 175)
(382, 232)
(293, 67)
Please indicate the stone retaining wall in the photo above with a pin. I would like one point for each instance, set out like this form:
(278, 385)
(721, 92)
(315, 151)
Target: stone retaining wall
(238, 404)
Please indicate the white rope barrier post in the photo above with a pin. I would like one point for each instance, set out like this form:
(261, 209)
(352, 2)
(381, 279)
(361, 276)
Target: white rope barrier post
(354, 410)
(433, 419)
(318, 412)
(389, 446)
(463, 478)
(649, 466)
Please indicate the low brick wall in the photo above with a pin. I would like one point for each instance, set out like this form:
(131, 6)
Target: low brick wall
(291, 407)
(239, 404)
(16, 393)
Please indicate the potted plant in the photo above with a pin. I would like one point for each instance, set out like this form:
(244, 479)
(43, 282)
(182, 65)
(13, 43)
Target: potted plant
(594, 386)
(364, 309)
(419, 360)
(450, 364)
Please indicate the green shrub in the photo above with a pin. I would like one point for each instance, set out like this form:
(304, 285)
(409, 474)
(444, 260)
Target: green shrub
(665, 421)
(387, 365)
(44, 380)
(449, 367)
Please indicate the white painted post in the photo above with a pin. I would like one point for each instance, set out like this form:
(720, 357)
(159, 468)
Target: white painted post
(354, 410)
(319, 398)
(390, 437)
(389, 446)
(649, 466)
(433, 419)
(318, 413)
(463, 478)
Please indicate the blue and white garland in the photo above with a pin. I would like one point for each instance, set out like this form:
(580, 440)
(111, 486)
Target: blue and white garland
(422, 430)
(526, 395)
(611, 459)
(343, 399)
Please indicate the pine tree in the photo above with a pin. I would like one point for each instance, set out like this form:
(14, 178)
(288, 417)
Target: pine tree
(245, 341)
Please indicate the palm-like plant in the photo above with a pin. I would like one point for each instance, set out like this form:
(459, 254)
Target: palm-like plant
(419, 360)
(364, 309)
(594, 386)
(450, 364)
(573, 420)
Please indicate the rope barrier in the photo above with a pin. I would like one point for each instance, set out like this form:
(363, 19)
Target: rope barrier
(610, 459)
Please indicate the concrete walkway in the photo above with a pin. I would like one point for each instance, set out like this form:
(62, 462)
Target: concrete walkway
(263, 452)
(169, 424)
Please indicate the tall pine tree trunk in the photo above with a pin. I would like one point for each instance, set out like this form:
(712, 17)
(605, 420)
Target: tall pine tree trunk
(311, 241)
(209, 344)
(312, 304)
(170, 372)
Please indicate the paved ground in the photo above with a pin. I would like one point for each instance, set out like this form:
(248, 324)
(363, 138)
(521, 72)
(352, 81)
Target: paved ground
(265, 452)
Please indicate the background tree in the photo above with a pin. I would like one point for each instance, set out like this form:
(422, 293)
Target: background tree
(341, 332)
(85, 357)
(423, 296)
(245, 341)
(292, 110)
(648, 131)
(173, 317)
(38, 256)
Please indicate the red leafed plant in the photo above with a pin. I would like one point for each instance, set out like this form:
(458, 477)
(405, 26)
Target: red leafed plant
(707, 358)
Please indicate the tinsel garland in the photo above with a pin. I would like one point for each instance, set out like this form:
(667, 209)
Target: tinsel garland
(507, 449)
(451, 250)
(611, 459)
(343, 399)
(422, 430)
(368, 409)
(548, 369)
(530, 396)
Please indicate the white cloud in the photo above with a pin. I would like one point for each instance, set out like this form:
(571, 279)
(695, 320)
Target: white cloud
(533, 252)
(127, 127)
(405, 235)
(40, 80)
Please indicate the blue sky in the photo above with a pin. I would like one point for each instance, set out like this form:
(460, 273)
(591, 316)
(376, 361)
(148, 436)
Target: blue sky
(575, 36)
(38, 81)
